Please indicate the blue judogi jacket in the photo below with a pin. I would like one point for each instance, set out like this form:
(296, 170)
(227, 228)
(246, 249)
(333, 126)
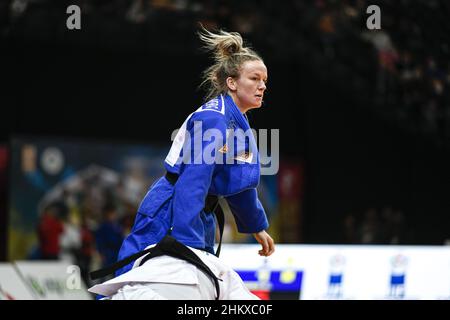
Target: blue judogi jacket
(233, 174)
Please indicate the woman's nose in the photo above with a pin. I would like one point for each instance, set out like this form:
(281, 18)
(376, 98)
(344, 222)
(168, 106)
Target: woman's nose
(262, 85)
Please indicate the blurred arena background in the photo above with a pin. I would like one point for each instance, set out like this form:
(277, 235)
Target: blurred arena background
(364, 118)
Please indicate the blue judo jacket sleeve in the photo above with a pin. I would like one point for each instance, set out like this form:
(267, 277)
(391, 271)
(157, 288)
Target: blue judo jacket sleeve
(248, 211)
(195, 179)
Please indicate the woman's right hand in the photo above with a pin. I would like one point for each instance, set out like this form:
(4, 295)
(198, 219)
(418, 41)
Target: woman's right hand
(267, 243)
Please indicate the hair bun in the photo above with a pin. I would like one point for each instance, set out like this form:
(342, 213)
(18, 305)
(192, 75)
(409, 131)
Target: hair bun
(223, 44)
(230, 45)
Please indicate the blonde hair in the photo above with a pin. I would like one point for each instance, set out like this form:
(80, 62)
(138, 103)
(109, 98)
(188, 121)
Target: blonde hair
(229, 54)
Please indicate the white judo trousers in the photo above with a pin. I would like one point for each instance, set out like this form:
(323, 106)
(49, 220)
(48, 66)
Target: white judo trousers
(168, 278)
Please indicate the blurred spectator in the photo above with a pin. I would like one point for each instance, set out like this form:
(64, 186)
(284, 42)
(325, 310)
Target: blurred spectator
(349, 230)
(86, 251)
(138, 11)
(70, 240)
(398, 231)
(108, 236)
(326, 26)
(50, 229)
(369, 231)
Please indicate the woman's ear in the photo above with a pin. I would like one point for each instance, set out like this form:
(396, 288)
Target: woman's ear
(231, 84)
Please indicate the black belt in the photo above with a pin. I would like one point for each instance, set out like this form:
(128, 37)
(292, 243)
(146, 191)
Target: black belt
(168, 246)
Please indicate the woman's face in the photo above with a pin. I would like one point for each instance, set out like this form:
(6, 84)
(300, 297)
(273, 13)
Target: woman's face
(248, 90)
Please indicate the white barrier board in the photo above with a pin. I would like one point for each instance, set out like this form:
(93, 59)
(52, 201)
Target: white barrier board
(11, 285)
(346, 272)
(53, 280)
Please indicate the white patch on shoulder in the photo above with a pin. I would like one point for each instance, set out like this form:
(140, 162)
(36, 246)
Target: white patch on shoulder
(215, 104)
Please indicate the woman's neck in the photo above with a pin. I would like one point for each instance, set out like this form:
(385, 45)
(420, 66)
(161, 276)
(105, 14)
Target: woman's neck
(236, 102)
